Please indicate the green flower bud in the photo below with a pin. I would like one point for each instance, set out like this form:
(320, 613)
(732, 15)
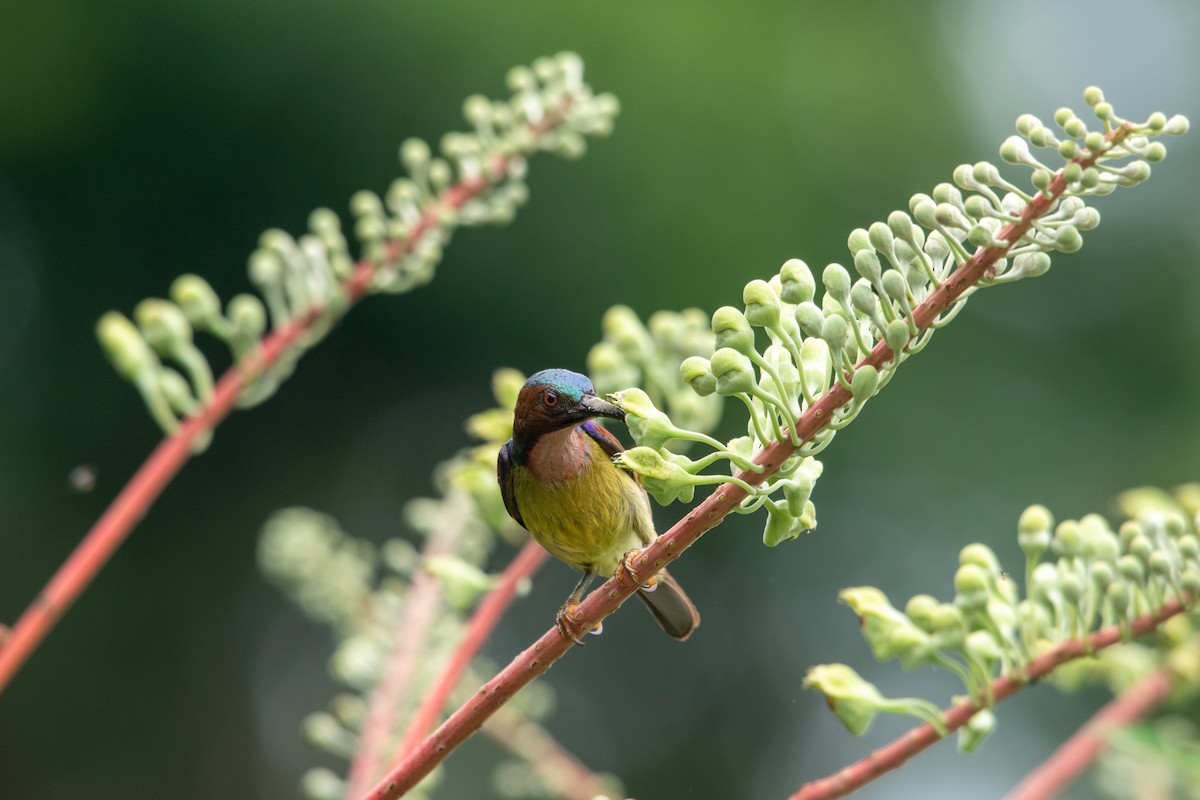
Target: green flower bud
(732, 330)
(852, 699)
(865, 383)
(697, 373)
(895, 286)
(816, 364)
(971, 583)
(124, 346)
(796, 491)
(949, 624)
(248, 316)
(762, 305)
(1189, 547)
(1159, 564)
(1141, 547)
(732, 371)
(175, 389)
(1189, 581)
(835, 331)
(912, 646)
(1102, 573)
(858, 241)
(462, 582)
(1119, 597)
(877, 617)
(978, 728)
(981, 556)
(1127, 532)
(1071, 587)
(920, 609)
(897, 335)
(810, 318)
(163, 324)
(648, 426)
(781, 525)
(197, 299)
(1130, 568)
(1067, 539)
(322, 784)
(1068, 240)
(608, 367)
(1045, 583)
(796, 282)
(667, 328)
(982, 645)
(863, 298)
(867, 264)
(622, 327)
(664, 480)
(882, 238)
(836, 280)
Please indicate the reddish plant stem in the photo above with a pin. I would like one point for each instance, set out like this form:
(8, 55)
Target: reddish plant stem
(607, 598)
(918, 739)
(558, 767)
(480, 626)
(135, 499)
(1075, 754)
(408, 641)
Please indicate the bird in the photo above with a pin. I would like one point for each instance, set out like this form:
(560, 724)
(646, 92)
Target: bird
(559, 482)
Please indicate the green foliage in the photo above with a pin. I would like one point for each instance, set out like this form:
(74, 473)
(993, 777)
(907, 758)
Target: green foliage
(1096, 577)
(308, 283)
(901, 262)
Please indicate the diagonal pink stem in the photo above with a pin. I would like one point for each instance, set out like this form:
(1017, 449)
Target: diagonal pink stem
(135, 499)
(478, 629)
(606, 599)
(1069, 761)
(408, 642)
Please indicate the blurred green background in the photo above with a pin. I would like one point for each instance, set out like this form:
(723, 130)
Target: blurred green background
(142, 140)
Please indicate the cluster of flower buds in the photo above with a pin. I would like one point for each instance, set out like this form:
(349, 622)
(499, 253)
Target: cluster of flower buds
(814, 342)
(477, 179)
(1097, 577)
(361, 591)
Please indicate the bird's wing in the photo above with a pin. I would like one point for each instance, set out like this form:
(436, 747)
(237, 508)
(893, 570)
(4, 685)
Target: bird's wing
(603, 437)
(504, 469)
(610, 444)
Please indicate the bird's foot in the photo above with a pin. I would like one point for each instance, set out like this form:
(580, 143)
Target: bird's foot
(569, 626)
(628, 562)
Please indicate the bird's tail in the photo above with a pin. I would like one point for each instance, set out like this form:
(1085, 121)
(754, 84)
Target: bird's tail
(672, 609)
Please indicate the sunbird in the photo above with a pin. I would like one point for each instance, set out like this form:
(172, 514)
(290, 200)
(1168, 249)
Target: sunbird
(560, 483)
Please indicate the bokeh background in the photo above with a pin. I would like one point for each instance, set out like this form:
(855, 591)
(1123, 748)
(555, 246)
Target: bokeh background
(141, 140)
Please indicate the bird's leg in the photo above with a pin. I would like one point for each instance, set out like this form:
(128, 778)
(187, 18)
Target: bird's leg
(568, 626)
(627, 567)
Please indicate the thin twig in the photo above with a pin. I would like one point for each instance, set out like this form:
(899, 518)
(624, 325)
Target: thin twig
(480, 626)
(918, 739)
(1073, 757)
(607, 598)
(554, 764)
(390, 695)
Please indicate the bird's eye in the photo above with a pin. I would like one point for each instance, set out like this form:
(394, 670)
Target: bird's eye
(549, 399)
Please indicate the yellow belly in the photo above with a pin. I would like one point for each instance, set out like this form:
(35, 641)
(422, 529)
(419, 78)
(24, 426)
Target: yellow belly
(589, 521)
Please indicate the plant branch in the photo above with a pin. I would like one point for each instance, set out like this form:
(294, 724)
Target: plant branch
(607, 598)
(480, 626)
(135, 499)
(1075, 754)
(920, 738)
(408, 642)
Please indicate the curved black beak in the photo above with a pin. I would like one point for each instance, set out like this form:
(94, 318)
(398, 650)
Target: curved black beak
(596, 407)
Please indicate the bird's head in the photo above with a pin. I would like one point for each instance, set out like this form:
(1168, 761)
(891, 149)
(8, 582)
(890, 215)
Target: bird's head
(554, 399)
